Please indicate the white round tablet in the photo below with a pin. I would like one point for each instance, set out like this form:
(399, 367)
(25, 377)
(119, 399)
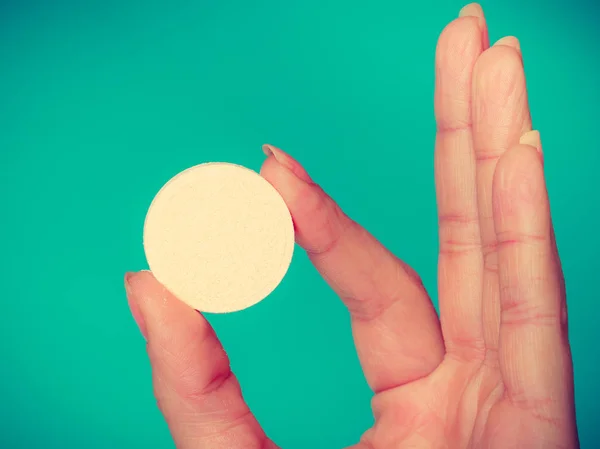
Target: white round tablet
(219, 237)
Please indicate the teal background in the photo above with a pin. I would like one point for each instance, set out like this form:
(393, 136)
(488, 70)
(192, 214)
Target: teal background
(102, 102)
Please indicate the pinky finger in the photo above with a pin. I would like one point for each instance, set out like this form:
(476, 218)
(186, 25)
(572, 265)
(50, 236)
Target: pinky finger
(535, 358)
(196, 391)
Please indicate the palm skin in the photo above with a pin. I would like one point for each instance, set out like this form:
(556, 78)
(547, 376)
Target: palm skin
(494, 369)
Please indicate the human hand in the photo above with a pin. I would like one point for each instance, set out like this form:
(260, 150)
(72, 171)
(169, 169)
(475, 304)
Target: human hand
(494, 370)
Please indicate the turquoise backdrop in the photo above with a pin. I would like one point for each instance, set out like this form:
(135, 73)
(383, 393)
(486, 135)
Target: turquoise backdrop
(102, 101)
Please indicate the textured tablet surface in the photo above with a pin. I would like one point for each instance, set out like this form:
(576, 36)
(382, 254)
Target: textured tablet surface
(219, 237)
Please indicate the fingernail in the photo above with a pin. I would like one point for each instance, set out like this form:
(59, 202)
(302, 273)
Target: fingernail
(287, 161)
(532, 138)
(509, 41)
(473, 10)
(133, 306)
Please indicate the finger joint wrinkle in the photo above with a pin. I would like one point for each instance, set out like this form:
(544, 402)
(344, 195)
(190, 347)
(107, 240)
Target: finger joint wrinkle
(448, 128)
(483, 156)
(459, 234)
(538, 408)
(334, 237)
(217, 382)
(511, 238)
(521, 307)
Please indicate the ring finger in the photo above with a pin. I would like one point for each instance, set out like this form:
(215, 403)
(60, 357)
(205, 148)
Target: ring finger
(500, 116)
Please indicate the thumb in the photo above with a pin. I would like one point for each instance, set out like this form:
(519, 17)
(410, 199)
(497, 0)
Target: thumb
(193, 383)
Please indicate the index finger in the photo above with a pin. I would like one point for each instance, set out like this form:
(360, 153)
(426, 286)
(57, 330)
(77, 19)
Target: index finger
(395, 326)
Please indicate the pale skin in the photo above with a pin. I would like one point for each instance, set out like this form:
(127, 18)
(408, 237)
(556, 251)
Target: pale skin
(494, 369)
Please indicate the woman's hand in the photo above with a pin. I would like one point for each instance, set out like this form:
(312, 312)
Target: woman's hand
(495, 370)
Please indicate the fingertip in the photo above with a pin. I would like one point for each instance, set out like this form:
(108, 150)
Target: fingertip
(132, 301)
(294, 190)
(500, 91)
(475, 10)
(459, 38)
(519, 160)
(135, 279)
(270, 169)
(164, 317)
(141, 286)
(472, 10)
(498, 65)
(519, 187)
(317, 218)
(287, 161)
(267, 149)
(509, 41)
(138, 286)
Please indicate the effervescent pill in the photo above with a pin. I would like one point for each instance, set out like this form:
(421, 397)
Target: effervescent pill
(219, 237)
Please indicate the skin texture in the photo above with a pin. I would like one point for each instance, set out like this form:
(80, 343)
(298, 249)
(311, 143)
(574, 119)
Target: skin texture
(494, 370)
